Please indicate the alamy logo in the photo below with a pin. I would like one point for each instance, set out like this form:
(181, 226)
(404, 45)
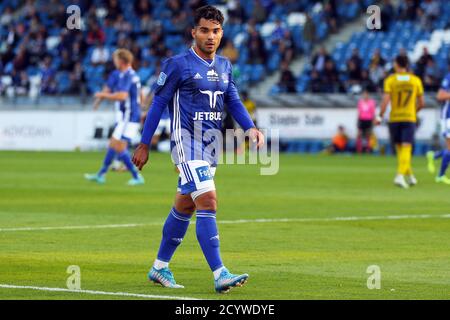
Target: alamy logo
(212, 97)
(374, 20)
(374, 280)
(74, 280)
(74, 20)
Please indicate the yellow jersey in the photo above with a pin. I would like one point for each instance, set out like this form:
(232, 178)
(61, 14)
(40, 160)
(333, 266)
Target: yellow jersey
(251, 108)
(404, 88)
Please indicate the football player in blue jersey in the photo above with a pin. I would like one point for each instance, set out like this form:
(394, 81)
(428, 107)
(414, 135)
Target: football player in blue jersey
(123, 87)
(116, 164)
(195, 85)
(444, 96)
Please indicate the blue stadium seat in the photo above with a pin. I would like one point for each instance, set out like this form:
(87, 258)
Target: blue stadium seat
(63, 81)
(257, 73)
(274, 90)
(145, 73)
(274, 62)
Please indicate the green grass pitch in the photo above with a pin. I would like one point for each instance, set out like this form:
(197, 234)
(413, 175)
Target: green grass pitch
(318, 259)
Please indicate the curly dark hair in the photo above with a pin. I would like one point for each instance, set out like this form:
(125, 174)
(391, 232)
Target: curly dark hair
(402, 61)
(208, 13)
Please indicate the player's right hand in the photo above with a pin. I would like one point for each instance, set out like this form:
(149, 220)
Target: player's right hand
(140, 156)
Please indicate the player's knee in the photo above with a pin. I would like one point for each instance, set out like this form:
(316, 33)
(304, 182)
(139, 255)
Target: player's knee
(121, 146)
(186, 209)
(117, 145)
(112, 143)
(207, 202)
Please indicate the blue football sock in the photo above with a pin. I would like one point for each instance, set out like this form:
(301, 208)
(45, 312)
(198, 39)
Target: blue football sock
(208, 237)
(124, 156)
(174, 231)
(438, 154)
(445, 162)
(109, 157)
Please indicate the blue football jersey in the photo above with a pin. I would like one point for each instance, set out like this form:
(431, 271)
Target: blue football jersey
(112, 79)
(197, 91)
(127, 81)
(445, 85)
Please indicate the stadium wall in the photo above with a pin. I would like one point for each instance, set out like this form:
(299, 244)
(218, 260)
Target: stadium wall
(87, 130)
(322, 123)
(54, 130)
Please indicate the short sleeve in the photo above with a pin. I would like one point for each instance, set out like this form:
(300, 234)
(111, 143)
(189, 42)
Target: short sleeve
(445, 85)
(388, 85)
(111, 81)
(168, 80)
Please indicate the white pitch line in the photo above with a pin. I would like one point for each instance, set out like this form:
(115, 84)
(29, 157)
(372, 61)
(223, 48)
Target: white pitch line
(94, 292)
(100, 226)
(398, 217)
(134, 225)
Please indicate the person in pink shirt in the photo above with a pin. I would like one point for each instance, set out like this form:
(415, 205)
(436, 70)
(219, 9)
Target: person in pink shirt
(366, 116)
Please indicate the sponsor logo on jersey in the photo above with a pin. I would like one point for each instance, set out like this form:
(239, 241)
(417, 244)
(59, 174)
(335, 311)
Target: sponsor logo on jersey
(207, 116)
(162, 79)
(212, 97)
(212, 75)
(225, 78)
(198, 76)
(204, 173)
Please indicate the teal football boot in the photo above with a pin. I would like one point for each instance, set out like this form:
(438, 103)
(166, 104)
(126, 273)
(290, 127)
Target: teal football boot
(136, 181)
(95, 178)
(163, 277)
(227, 280)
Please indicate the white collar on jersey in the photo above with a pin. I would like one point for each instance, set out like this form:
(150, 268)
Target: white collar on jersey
(203, 60)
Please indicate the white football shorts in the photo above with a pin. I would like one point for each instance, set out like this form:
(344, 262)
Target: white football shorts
(128, 131)
(196, 178)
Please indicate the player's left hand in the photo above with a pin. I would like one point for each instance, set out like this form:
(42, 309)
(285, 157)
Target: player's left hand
(257, 137)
